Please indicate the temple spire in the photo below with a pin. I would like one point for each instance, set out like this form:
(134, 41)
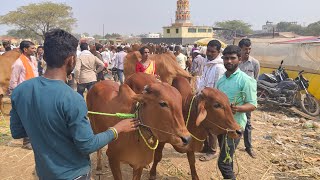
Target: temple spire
(183, 13)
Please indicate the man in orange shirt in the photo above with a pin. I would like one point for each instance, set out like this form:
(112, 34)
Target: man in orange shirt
(24, 68)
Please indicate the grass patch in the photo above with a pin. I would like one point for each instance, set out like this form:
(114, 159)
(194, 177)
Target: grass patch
(5, 133)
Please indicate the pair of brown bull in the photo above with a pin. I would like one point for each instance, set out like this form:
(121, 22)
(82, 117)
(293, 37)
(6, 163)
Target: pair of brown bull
(164, 109)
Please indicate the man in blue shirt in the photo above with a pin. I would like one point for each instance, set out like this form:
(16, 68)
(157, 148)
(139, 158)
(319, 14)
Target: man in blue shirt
(54, 116)
(241, 90)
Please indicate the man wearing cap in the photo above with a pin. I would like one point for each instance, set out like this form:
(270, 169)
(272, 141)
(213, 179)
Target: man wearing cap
(213, 70)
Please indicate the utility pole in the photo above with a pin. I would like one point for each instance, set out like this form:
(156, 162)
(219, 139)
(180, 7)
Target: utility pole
(103, 31)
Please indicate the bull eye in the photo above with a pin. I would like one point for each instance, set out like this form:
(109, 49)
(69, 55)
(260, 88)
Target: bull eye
(217, 105)
(163, 104)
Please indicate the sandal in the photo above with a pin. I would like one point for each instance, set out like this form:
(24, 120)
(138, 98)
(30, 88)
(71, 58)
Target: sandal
(207, 157)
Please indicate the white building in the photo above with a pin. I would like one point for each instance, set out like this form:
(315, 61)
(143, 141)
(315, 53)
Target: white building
(153, 35)
(269, 27)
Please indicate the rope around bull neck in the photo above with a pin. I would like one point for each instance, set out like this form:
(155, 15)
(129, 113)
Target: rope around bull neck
(187, 122)
(129, 115)
(135, 115)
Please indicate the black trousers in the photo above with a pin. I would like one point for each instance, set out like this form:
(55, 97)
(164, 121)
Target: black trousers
(247, 132)
(226, 168)
(210, 144)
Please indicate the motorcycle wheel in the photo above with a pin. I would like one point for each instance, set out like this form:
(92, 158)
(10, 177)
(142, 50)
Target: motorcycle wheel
(262, 95)
(309, 105)
(115, 77)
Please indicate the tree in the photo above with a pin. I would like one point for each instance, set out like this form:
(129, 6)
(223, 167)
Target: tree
(40, 18)
(21, 33)
(97, 36)
(290, 27)
(113, 35)
(86, 34)
(313, 29)
(233, 27)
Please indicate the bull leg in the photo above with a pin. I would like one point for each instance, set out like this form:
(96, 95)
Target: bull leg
(99, 160)
(157, 158)
(115, 168)
(192, 162)
(137, 172)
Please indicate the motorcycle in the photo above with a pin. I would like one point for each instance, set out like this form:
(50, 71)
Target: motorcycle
(288, 92)
(276, 76)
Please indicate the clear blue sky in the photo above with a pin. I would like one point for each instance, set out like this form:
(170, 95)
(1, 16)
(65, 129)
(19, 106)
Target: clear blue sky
(144, 16)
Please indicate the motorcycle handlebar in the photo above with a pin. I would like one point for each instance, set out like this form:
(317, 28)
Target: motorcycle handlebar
(280, 64)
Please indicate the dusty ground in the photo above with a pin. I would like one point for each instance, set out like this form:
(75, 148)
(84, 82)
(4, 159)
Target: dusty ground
(287, 147)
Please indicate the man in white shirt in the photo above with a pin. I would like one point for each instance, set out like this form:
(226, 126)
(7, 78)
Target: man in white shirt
(181, 58)
(106, 56)
(119, 61)
(213, 70)
(86, 69)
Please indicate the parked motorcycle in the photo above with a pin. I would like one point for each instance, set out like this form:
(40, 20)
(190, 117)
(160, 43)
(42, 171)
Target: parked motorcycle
(288, 92)
(276, 76)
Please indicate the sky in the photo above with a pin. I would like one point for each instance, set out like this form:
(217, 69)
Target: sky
(149, 16)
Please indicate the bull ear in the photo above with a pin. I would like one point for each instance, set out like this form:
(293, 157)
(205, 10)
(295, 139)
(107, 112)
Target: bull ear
(138, 97)
(202, 113)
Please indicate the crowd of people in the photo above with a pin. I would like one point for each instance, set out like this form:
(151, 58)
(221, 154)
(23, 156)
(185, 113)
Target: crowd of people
(55, 122)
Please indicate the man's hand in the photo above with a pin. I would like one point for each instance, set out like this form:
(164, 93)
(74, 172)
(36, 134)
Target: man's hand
(242, 108)
(69, 77)
(127, 125)
(234, 108)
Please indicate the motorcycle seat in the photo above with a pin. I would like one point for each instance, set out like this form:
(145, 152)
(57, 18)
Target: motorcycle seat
(266, 83)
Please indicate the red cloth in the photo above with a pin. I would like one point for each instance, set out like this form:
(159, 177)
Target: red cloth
(139, 67)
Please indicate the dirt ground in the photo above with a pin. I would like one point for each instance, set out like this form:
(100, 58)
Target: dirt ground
(287, 147)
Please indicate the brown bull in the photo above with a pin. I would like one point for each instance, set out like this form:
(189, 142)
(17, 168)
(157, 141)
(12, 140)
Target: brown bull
(209, 110)
(139, 80)
(6, 61)
(160, 109)
(166, 66)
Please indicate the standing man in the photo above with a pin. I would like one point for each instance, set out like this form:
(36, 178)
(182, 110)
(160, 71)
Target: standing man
(24, 68)
(181, 58)
(251, 67)
(86, 68)
(99, 49)
(235, 83)
(40, 60)
(212, 72)
(197, 67)
(119, 60)
(56, 121)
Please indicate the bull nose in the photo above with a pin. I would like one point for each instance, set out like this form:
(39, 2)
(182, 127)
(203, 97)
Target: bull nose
(186, 140)
(239, 132)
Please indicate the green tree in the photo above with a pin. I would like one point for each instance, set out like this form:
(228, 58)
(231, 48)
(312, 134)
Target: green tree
(21, 33)
(290, 27)
(86, 34)
(97, 36)
(313, 29)
(39, 18)
(233, 27)
(113, 35)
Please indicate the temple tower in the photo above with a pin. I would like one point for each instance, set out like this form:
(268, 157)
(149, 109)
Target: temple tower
(183, 13)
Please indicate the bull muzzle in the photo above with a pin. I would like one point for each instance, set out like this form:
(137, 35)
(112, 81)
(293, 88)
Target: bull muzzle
(186, 140)
(239, 132)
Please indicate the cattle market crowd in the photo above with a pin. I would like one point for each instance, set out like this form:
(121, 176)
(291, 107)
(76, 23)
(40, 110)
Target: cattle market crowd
(199, 99)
